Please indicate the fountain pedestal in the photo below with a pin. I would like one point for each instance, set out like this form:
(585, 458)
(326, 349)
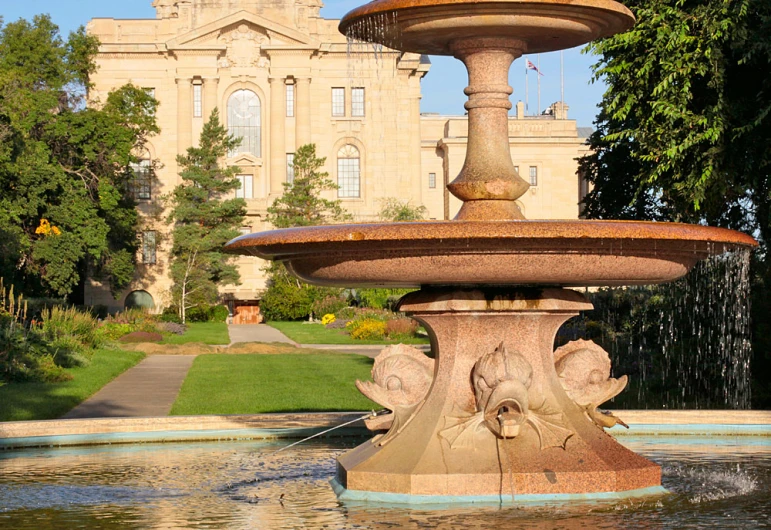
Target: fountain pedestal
(496, 419)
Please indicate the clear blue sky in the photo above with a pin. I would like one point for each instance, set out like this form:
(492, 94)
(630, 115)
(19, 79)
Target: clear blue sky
(442, 87)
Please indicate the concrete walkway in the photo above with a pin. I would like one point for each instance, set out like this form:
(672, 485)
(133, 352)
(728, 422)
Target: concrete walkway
(148, 389)
(151, 387)
(257, 333)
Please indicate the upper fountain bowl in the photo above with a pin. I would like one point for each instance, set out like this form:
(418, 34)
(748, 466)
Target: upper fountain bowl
(559, 253)
(431, 26)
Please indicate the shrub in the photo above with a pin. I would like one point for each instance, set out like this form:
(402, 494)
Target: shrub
(380, 298)
(287, 298)
(141, 336)
(327, 319)
(80, 327)
(329, 305)
(346, 313)
(219, 313)
(111, 331)
(367, 329)
(401, 327)
(170, 314)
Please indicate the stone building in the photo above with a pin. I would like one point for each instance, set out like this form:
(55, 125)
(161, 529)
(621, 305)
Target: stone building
(282, 77)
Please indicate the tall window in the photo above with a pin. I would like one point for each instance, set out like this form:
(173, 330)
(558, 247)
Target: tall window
(290, 101)
(533, 176)
(141, 185)
(348, 172)
(244, 121)
(357, 102)
(245, 187)
(197, 101)
(432, 180)
(338, 102)
(148, 247)
(290, 168)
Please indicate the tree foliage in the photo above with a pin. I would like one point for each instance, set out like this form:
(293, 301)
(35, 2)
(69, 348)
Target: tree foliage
(393, 209)
(302, 203)
(64, 165)
(204, 219)
(286, 297)
(683, 129)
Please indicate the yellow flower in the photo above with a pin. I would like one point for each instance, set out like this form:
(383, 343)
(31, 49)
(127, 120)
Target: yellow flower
(328, 319)
(46, 229)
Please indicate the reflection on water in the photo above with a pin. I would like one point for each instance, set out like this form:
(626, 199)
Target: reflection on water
(725, 483)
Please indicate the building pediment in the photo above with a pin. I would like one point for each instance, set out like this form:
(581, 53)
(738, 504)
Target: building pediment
(241, 26)
(245, 160)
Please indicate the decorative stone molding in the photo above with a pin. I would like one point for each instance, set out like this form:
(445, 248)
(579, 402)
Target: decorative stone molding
(244, 48)
(583, 368)
(401, 377)
(506, 403)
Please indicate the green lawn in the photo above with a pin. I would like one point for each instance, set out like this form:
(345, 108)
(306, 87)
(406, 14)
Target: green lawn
(304, 333)
(206, 332)
(253, 384)
(45, 401)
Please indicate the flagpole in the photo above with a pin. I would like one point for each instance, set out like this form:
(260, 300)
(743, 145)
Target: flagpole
(527, 90)
(538, 60)
(562, 81)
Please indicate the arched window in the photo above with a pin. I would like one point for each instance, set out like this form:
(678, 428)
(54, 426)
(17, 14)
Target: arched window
(141, 299)
(244, 121)
(348, 172)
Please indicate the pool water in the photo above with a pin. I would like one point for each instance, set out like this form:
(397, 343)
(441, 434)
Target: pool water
(714, 482)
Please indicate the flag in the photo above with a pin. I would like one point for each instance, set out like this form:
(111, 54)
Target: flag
(531, 66)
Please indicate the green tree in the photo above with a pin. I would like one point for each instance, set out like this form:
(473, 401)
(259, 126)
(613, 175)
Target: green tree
(302, 204)
(288, 298)
(684, 130)
(393, 209)
(65, 206)
(204, 220)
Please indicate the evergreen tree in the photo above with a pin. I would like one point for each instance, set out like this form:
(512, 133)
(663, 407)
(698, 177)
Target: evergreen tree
(302, 204)
(204, 219)
(65, 205)
(288, 298)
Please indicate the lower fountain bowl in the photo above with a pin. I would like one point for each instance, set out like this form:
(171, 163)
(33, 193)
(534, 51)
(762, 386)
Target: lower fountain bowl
(562, 253)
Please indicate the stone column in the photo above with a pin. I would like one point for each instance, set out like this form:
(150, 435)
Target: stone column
(303, 111)
(184, 114)
(210, 98)
(277, 141)
(488, 185)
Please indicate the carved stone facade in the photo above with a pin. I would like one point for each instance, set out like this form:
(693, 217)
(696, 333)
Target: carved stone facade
(307, 87)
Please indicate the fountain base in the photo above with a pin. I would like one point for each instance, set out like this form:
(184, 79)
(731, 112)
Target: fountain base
(498, 419)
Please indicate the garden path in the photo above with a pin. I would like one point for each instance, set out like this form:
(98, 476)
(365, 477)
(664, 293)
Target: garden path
(148, 389)
(256, 333)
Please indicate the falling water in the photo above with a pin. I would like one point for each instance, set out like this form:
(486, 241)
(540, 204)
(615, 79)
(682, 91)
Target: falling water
(373, 62)
(684, 344)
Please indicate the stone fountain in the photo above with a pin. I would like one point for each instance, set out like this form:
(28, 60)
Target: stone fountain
(499, 414)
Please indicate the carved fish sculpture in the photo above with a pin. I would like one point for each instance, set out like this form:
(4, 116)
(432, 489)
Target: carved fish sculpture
(584, 371)
(402, 376)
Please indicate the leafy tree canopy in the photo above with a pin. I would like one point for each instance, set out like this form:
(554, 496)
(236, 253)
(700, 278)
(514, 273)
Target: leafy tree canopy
(393, 209)
(683, 130)
(62, 165)
(204, 219)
